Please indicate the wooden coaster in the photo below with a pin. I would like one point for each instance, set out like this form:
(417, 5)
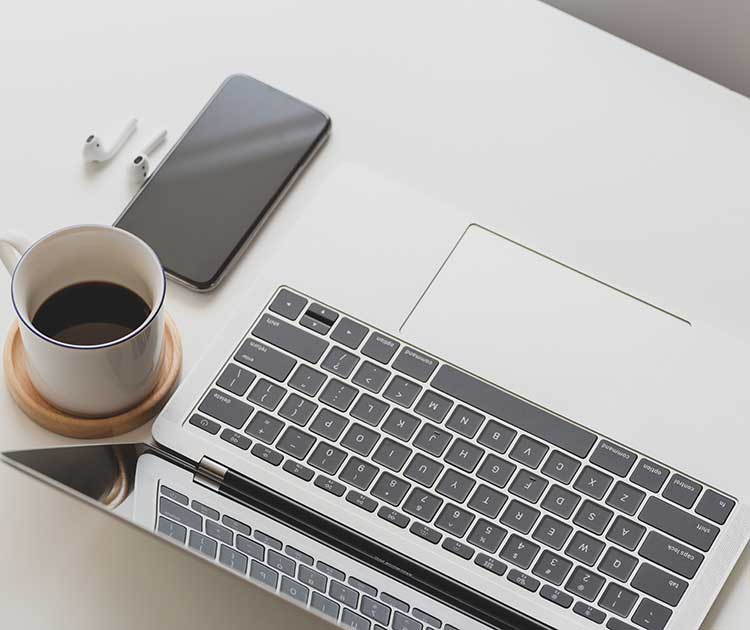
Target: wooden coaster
(57, 421)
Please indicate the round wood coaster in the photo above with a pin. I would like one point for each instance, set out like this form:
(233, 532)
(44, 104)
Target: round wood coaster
(57, 421)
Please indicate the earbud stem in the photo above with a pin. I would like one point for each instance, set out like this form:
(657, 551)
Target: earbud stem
(123, 137)
(155, 143)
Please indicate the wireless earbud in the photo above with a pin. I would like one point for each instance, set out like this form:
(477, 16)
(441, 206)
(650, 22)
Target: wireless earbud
(94, 150)
(139, 167)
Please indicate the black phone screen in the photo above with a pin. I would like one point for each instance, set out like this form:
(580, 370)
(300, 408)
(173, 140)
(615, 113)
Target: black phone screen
(223, 176)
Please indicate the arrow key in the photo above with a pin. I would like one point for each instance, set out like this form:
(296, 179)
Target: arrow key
(349, 333)
(288, 304)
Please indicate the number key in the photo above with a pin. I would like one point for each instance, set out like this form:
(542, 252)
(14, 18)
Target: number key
(454, 520)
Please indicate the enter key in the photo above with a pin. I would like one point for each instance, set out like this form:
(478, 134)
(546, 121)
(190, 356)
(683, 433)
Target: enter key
(671, 554)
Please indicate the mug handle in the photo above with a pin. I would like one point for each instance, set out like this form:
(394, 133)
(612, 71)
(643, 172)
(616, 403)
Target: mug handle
(12, 246)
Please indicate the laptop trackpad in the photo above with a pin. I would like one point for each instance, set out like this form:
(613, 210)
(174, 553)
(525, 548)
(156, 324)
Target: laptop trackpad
(545, 331)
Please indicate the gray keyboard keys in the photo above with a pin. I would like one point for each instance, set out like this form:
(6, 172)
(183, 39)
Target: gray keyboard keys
(455, 486)
(423, 470)
(374, 609)
(369, 410)
(359, 473)
(487, 501)
(298, 470)
(495, 470)
(281, 563)
(225, 408)
(454, 520)
(344, 594)
(177, 497)
(663, 586)
(585, 548)
(380, 347)
(433, 406)
(180, 514)
(349, 333)
(288, 304)
(268, 541)
(204, 423)
(626, 533)
(371, 376)
(514, 411)
(552, 532)
(313, 578)
(402, 391)
(266, 394)
(678, 523)
(593, 517)
(682, 491)
(465, 421)
(587, 612)
(391, 454)
(432, 440)
(307, 380)
(360, 439)
(427, 533)
(491, 564)
(555, 596)
(219, 532)
(172, 529)
(264, 574)
(297, 409)
(250, 547)
(523, 580)
(528, 486)
(327, 458)
(415, 364)
(428, 620)
(265, 359)
(618, 600)
(240, 441)
(458, 548)
(233, 559)
(236, 525)
(552, 567)
(295, 443)
(402, 622)
(715, 506)
(560, 501)
(328, 424)
(298, 342)
(496, 436)
(390, 489)
(625, 498)
(585, 584)
(338, 395)
(394, 517)
(322, 314)
(561, 467)
(324, 605)
(362, 500)
(519, 516)
(340, 362)
(614, 458)
(401, 425)
(394, 602)
(205, 510)
(314, 324)
(593, 482)
(329, 485)
(294, 589)
(618, 564)
(671, 554)
(235, 379)
(264, 427)
(519, 551)
(464, 454)
(649, 475)
(298, 555)
(528, 452)
(422, 504)
(330, 571)
(364, 587)
(651, 615)
(487, 536)
(203, 544)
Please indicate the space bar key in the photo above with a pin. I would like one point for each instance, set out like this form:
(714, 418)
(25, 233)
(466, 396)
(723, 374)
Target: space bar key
(515, 411)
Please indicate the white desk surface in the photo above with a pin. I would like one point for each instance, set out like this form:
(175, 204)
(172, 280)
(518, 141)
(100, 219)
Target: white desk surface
(504, 105)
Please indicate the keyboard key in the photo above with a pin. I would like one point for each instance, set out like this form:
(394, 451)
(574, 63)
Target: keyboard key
(615, 624)
(266, 394)
(373, 609)
(401, 424)
(487, 501)
(294, 340)
(551, 594)
(495, 470)
(265, 359)
(359, 473)
(295, 443)
(552, 532)
(560, 501)
(338, 395)
(313, 578)
(678, 523)
(391, 454)
(402, 622)
(496, 436)
(519, 516)
(329, 485)
(432, 440)
(528, 486)
(585, 584)
(671, 554)
(458, 548)
(294, 589)
(715, 506)
(561, 467)
(380, 347)
(649, 475)
(464, 454)
(593, 482)
(328, 424)
(491, 564)
(322, 314)
(618, 600)
(204, 423)
(613, 458)
(264, 574)
(625, 498)
(172, 529)
(288, 304)
(203, 544)
(369, 410)
(307, 380)
(514, 411)
(349, 333)
(264, 427)
(552, 567)
(617, 564)
(427, 533)
(398, 519)
(402, 391)
(651, 615)
(236, 525)
(360, 439)
(659, 584)
(529, 452)
(340, 362)
(362, 500)
(682, 491)
(454, 520)
(267, 454)
(233, 559)
(390, 489)
(592, 614)
(177, 497)
(250, 548)
(298, 555)
(626, 533)
(344, 594)
(487, 536)
(519, 551)
(240, 441)
(585, 548)
(415, 364)
(297, 409)
(327, 458)
(298, 470)
(455, 486)
(330, 571)
(593, 517)
(523, 580)
(433, 406)
(281, 563)
(219, 532)
(423, 470)
(428, 620)
(324, 605)
(422, 504)
(236, 380)
(371, 376)
(314, 324)
(465, 421)
(394, 602)
(268, 541)
(225, 408)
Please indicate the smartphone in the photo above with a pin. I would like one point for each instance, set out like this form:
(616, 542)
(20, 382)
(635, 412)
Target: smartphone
(227, 173)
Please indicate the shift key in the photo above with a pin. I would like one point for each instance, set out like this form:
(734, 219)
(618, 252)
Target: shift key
(265, 359)
(290, 338)
(679, 523)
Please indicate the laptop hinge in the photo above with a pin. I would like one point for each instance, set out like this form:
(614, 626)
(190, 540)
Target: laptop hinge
(209, 473)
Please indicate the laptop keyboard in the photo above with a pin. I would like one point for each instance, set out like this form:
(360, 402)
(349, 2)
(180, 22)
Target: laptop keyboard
(589, 525)
(267, 559)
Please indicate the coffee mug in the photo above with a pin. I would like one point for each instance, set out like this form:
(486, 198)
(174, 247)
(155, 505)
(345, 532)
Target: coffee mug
(101, 379)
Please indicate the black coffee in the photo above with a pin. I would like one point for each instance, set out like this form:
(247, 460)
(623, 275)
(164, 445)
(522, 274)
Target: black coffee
(91, 313)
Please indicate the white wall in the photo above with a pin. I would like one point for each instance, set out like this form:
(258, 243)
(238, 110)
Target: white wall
(710, 37)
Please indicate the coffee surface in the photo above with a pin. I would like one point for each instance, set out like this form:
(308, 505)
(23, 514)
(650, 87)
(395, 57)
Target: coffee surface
(91, 313)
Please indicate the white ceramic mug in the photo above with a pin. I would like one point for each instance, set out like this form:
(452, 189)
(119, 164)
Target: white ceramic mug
(99, 380)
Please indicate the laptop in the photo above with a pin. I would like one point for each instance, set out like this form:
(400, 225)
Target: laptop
(415, 420)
